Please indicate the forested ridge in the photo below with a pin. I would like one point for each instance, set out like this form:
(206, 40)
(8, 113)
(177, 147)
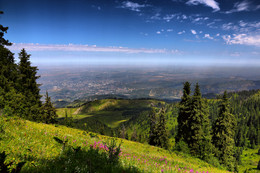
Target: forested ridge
(216, 130)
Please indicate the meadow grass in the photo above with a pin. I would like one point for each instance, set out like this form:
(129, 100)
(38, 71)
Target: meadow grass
(107, 111)
(35, 143)
(250, 159)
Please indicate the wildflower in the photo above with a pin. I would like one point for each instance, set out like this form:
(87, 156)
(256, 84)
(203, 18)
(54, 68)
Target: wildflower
(161, 170)
(191, 170)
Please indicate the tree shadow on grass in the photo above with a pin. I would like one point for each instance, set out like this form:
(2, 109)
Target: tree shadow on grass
(72, 160)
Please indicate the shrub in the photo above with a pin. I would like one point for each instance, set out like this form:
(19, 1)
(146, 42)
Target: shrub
(113, 151)
(182, 147)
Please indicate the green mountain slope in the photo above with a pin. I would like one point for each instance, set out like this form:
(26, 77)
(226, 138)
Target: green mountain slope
(49, 148)
(109, 112)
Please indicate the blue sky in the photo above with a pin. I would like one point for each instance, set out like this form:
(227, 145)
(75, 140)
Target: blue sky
(178, 32)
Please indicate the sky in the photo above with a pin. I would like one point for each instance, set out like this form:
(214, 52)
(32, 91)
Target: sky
(135, 32)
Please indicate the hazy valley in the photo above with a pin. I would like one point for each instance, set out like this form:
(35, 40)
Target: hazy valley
(164, 83)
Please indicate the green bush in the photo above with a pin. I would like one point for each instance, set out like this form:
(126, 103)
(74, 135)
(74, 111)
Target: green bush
(182, 147)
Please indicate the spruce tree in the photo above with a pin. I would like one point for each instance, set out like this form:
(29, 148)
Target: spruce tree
(28, 86)
(223, 134)
(162, 137)
(183, 133)
(48, 112)
(8, 76)
(200, 139)
(9, 97)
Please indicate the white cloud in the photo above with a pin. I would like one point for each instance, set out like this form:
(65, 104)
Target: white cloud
(184, 17)
(200, 18)
(193, 31)
(242, 27)
(210, 3)
(229, 26)
(242, 23)
(169, 17)
(208, 36)
(132, 6)
(243, 6)
(197, 19)
(80, 48)
(243, 39)
(169, 30)
(156, 16)
(158, 32)
(181, 32)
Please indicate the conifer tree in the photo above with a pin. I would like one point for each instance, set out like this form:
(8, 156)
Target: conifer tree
(223, 134)
(183, 133)
(8, 75)
(48, 111)
(200, 139)
(28, 86)
(9, 97)
(162, 136)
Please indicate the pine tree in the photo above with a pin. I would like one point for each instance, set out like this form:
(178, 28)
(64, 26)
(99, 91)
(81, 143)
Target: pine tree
(8, 75)
(200, 139)
(9, 97)
(183, 133)
(28, 86)
(48, 111)
(162, 137)
(223, 134)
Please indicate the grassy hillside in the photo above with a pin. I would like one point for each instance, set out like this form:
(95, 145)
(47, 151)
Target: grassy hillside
(111, 112)
(41, 147)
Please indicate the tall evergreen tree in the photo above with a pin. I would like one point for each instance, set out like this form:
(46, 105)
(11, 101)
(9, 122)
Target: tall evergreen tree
(8, 75)
(48, 112)
(162, 134)
(183, 133)
(9, 97)
(200, 139)
(28, 86)
(223, 134)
